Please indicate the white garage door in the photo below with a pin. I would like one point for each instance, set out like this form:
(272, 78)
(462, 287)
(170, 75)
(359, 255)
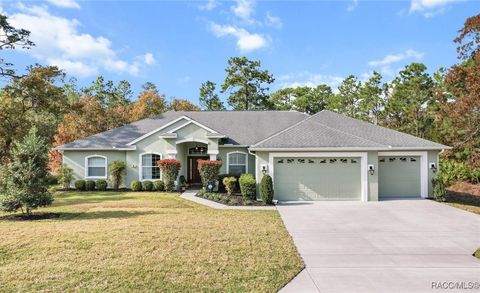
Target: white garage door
(317, 178)
(399, 176)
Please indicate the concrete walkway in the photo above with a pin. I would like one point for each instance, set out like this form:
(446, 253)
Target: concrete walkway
(190, 195)
(386, 246)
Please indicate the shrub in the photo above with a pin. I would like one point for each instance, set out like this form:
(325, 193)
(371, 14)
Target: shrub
(147, 185)
(52, 180)
(229, 183)
(136, 185)
(117, 171)
(80, 185)
(170, 169)
(209, 170)
(158, 185)
(23, 179)
(65, 174)
(101, 185)
(452, 171)
(221, 186)
(90, 185)
(248, 186)
(439, 191)
(266, 189)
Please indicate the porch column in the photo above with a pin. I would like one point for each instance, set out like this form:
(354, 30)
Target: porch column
(213, 154)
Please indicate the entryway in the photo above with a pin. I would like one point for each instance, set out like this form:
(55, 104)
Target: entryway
(193, 175)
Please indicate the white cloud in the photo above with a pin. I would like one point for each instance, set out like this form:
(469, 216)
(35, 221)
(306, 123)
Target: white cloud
(385, 64)
(395, 58)
(273, 21)
(59, 42)
(80, 69)
(64, 3)
(246, 42)
(352, 5)
(430, 8)
(149, 59)
(307, 78)
(209, 5)
(244, 9)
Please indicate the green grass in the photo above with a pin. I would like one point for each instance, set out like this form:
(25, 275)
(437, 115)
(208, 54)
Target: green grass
(145, 242)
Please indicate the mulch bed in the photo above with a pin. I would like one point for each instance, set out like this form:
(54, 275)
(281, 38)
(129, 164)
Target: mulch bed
(464, 193)
(31, 217)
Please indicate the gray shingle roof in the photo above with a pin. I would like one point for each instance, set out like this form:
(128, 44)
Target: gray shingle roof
(241, 127)
(328, 129)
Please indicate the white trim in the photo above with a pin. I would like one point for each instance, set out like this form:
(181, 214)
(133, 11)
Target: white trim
(158, 129)
(171, 152)
(140, 164)
(363, 165)
(237, 152)
(212, 152)
(191, 139)
(168, 135)
(96, 149)
(194, 122)
(423, 167)
(233, 146)
(350, 149)
(86, 167)
(216, 135)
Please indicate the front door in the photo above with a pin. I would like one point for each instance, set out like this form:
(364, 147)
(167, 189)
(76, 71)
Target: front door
(193, 173)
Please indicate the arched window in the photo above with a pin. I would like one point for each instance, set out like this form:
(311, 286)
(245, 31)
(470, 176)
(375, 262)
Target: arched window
(237, 163)
(96, 167)
(149, 169)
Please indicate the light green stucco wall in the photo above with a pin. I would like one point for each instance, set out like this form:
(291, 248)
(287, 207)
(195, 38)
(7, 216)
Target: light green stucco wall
(76, 160)
(223, 151)
(432, 157)
(373, 179)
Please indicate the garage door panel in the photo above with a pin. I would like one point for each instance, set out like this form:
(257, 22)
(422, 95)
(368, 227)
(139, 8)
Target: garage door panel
(310, 179)
(399, 176)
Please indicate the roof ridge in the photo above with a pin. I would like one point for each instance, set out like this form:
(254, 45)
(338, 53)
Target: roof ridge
(282, 131)
(350, 134)
(375, 125)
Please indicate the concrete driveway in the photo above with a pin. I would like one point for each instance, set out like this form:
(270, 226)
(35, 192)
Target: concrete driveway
(386, 246)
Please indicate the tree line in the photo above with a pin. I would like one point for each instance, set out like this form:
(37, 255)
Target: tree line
(443, 107)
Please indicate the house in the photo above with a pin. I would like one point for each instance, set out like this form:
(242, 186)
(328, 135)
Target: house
(326, 156)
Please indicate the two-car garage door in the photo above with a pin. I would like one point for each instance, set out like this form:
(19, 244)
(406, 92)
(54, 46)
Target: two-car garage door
(306, 178)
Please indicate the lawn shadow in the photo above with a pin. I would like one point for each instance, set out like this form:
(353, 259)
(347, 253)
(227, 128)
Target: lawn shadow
(73, 199)
(66, 216)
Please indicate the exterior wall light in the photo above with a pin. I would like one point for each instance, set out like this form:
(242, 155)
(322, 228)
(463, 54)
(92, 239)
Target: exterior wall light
(433, 167)
(264, 169)
(371, 169)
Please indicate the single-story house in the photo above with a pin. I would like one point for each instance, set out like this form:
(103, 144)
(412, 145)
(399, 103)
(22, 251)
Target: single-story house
(326, 156)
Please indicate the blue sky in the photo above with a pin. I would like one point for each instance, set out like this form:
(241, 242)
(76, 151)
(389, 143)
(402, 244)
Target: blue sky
(179, 44)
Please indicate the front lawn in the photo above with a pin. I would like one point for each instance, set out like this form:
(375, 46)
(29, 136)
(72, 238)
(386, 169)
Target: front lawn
(145, 242)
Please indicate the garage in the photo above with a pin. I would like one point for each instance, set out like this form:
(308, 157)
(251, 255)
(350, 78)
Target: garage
(323, 178)
(399, 177)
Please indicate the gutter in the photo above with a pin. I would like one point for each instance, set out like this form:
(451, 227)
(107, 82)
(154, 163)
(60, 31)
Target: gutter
(351, 149)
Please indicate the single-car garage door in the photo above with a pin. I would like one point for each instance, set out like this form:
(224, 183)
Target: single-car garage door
(317, 178)
(398, 176)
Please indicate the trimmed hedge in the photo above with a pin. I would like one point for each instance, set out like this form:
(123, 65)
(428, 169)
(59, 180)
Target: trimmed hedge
(101, 185)
(136, 185)
(90, 185)
(159, 185)
(147, 185)
(266, 189)
(248, 186)
(80, 185)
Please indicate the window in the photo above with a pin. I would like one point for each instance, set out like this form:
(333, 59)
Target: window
(96, 167)
(149, 169)
(237, 163)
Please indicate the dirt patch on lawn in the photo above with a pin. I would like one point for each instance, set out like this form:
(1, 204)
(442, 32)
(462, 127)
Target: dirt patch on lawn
(464, 193)
(31, 217)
